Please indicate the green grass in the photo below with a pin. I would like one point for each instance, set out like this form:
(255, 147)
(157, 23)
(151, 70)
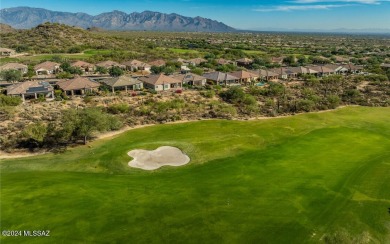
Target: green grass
(7, 60)
(270, 181)
(42, 57)
(95, 51)
(183, 51)
(253, 52)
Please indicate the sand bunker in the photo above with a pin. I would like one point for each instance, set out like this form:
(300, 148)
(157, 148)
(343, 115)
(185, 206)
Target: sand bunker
(151, 160)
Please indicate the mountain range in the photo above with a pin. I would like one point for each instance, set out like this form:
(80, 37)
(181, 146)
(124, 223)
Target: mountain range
(26, 17)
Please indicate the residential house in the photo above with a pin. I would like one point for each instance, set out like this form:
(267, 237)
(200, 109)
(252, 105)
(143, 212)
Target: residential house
(6, 52)
(385, 66)
(135, 65)
(337, 68)
(180, 60)
(158, 63)
(123, 82)
(222, 61)
(78, 86)
(221, 78)
(47, 68)
(161, 82)
(191, 79)
(354, 69)
(109, 64)
(277, 60)
(322, 70)
(31, 89)
(303, 70)
(245, 62)
(245, 77)
(266, 75)
(184, 69)
(14, 66)
(285, 73)
(87, 68)
(196, 61)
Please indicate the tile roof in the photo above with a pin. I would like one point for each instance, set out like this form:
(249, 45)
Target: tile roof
(189, 77)
(303, 70)
(157, 63)
(244, 60)
(82, 64)
(222, 61)
(264, 73)
(8, 66)
(136, 63)
(48, 65)
(321, 69)
(159, 79)
(242, 74)
(109, 64)
(3, 49)
(29, 87)
(123, 80)
(197, 60)
(219, 76)
(77, 83)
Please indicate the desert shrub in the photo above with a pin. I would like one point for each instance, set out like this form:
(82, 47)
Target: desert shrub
(305, 105)
(249, 100)
(87, 99)
(333, 101)
(233, 94)
(114, 123)
(120, 108)
(208, 93)
(9, 101)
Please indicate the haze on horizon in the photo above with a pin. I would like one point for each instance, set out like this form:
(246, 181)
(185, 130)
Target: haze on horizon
(248, 15)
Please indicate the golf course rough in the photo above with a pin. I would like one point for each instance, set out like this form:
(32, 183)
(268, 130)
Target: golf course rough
(299, 179)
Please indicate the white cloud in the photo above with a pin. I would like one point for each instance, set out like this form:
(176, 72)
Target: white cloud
(300, 7)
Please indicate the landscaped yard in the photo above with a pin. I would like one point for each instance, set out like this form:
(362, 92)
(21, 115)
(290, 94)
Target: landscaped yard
(283, 180)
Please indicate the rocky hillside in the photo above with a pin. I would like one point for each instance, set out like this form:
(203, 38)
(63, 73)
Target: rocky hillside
(57, 38)
(25, 17)
(6, 28)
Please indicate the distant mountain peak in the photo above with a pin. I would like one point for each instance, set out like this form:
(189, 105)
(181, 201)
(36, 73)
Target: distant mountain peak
(26, 17)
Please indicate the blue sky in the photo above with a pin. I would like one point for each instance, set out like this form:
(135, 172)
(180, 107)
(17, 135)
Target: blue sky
(243, 14)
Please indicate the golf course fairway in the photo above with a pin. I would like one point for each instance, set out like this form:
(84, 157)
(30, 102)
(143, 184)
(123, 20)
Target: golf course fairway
(298, 179)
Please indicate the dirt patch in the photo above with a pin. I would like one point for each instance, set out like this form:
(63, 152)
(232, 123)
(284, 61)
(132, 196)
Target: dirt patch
(151, 160)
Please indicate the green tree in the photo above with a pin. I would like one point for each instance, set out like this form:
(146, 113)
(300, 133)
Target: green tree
(197, 71)
(169, 70)
(82, 123)
(101, 70)
(11, 75)
(233, 94)
(64, 75)
(115, 71)
(66, 67)
(33, 135)
(156, 70)
(30, 72)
